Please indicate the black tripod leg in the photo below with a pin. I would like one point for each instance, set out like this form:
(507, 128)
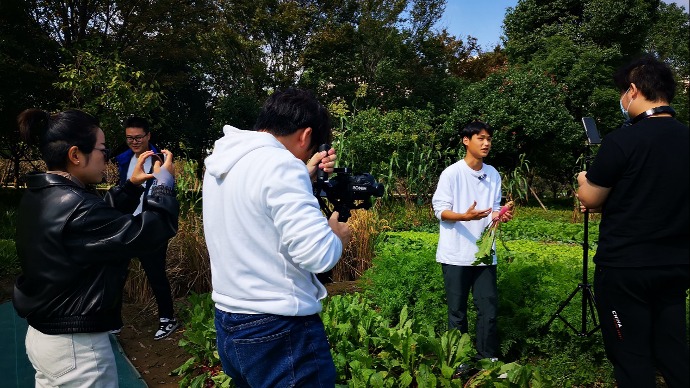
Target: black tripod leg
(557, 314)
(592, 311)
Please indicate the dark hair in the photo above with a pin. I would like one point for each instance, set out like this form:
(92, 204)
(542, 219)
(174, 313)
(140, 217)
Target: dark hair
(56, 133)
(474, 128)
(284, 112)
(137, 122)
(654, 78)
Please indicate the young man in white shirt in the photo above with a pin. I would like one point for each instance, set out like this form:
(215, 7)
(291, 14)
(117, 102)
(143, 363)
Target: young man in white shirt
(467, 198)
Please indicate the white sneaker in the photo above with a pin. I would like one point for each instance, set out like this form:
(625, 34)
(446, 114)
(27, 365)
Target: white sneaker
(167, 326)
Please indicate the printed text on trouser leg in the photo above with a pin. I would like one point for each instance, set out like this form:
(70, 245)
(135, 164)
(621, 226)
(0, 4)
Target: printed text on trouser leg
(617, 324)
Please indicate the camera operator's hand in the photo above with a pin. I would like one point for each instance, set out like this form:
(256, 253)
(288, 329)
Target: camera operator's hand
(341, 229)
(139, 176)
(323, 160)
(168, 164)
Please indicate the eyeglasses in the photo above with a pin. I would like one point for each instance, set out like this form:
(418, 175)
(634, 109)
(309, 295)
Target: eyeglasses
(135, 139)
(105, 151)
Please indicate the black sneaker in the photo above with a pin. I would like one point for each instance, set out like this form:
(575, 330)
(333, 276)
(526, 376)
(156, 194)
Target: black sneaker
(464, 370)
(167, 326)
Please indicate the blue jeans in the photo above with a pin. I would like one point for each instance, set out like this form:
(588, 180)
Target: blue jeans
(265, 350)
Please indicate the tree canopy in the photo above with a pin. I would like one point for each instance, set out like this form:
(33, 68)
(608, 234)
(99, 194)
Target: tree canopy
(398, 83)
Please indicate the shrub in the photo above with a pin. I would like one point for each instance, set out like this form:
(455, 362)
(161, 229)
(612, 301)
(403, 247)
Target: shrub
(531, 287)
(408, 216)
(203, 368)
(549, 226)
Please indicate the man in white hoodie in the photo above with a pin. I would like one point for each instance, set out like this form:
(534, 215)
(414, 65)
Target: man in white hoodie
(267, 239)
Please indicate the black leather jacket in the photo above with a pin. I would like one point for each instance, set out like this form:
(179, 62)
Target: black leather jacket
(74, 247)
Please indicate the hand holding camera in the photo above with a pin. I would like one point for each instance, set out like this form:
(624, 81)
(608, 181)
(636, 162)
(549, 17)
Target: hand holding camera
(345, 191)
(323, 160)
(163, 159)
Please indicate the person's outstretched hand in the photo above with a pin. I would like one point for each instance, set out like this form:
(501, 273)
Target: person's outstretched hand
(474, 214)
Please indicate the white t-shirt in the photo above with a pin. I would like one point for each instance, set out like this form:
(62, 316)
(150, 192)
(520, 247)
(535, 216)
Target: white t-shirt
(458, 187)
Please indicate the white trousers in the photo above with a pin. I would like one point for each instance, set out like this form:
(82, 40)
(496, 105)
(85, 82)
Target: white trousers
(72, 360)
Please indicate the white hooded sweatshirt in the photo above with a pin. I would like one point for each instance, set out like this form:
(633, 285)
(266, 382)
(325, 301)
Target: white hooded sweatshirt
(265, 233)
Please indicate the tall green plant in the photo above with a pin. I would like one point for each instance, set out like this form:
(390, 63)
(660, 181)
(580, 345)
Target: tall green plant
(187, 182)
(515, 183)
(421, 173)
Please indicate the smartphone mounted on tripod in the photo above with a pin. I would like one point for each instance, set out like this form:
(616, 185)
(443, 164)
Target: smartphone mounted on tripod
(591, 131)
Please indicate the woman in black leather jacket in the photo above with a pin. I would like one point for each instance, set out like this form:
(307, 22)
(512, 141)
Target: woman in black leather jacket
(74, 247)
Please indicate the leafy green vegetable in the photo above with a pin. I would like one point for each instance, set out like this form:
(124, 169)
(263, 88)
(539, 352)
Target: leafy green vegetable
(485, 243)
(485, 254)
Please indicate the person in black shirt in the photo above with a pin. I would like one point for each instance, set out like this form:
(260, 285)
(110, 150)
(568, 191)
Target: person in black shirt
(639, 180)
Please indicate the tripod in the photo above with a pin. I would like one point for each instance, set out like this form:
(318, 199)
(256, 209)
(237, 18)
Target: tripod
(588, 304)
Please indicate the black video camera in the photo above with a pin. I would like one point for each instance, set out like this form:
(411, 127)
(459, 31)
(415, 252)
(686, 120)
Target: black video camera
(345, 190)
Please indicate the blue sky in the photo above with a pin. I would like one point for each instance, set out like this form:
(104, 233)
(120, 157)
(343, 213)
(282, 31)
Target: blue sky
(483, 19)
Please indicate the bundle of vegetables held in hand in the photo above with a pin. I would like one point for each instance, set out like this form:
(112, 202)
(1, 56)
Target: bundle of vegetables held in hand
(485, 254)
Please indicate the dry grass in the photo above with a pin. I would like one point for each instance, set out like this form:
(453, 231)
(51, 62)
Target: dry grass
(7, 171)
(188, 266)
(366, 226)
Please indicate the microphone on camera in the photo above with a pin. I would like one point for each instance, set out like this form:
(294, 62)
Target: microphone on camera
(481, 177)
